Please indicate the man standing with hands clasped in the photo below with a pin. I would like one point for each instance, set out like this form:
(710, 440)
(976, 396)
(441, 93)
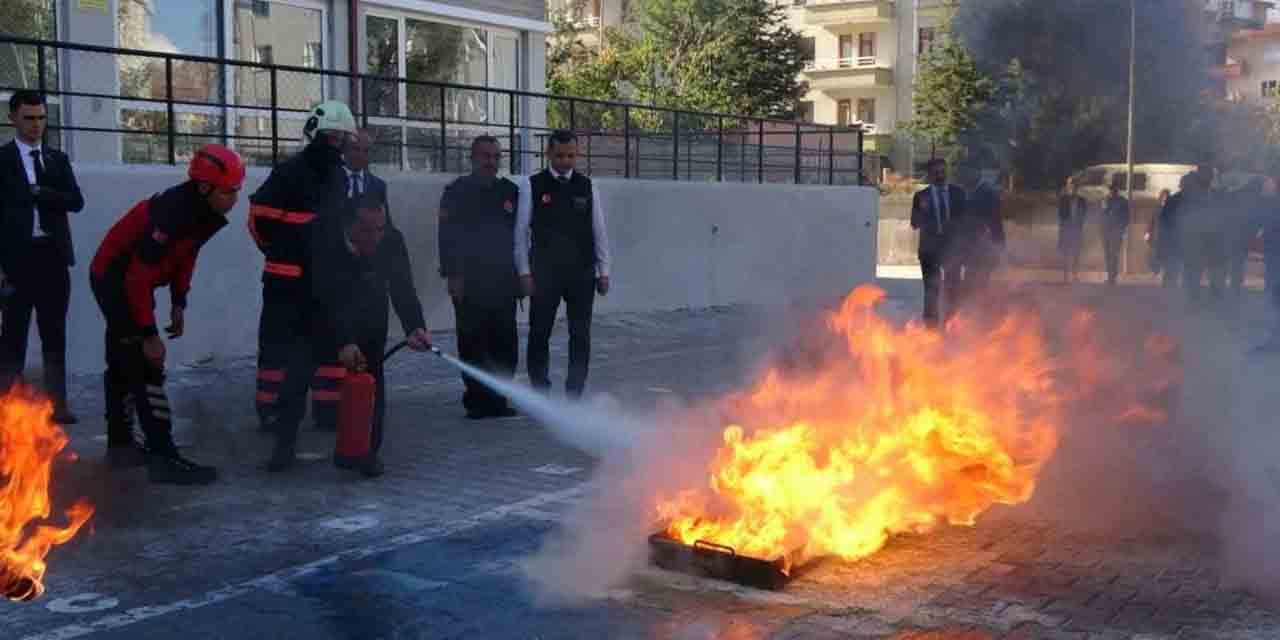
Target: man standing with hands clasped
(561, 252)
(37, 190)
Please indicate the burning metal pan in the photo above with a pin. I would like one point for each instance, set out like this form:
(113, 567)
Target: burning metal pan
(720, 562)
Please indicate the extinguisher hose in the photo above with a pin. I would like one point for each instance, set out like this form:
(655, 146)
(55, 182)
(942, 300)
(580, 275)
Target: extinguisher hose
(402, 344)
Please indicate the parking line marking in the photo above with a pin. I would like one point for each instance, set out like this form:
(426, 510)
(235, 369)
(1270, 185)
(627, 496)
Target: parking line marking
(272, 581)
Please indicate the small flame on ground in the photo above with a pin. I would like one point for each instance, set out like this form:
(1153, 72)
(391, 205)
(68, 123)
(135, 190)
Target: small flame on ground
(902, 430)
(29, 443)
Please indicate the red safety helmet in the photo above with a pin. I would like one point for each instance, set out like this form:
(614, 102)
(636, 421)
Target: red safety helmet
(217, 165)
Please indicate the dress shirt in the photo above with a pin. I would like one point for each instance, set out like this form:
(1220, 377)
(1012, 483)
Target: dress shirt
(524, 229)
(28, 163)
(355, 183)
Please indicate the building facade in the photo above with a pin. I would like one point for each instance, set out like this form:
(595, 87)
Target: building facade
(491, 44)
(1251, 43)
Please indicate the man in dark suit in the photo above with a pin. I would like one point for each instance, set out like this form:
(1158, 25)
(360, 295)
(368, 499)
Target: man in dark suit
(936, 211)
(327, 383)
(37, 190)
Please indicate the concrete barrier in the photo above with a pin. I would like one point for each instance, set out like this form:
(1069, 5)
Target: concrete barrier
(675, 245)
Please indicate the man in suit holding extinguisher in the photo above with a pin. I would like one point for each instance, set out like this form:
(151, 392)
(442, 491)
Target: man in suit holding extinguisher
(356, 266)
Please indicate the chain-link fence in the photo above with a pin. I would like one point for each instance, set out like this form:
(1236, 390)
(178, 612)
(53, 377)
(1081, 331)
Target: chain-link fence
(121, 105)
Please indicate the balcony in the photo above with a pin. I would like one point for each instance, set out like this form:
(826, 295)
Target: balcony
(838, 74)
(841, 13)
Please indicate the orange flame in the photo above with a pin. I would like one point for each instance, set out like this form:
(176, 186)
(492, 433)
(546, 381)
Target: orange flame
(903, 430)
(29, 443)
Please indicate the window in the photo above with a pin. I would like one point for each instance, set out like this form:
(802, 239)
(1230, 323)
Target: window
(170, 26)
(867, 110)
(867, 45)
(846, 51)
(19, 64)
(313, 55)
(804, 111)
(262, 55)
(844, 113)
(1269, 88)
(927, 36)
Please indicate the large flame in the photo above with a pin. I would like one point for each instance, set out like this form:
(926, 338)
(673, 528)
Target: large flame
(29, 443)
(899, 430)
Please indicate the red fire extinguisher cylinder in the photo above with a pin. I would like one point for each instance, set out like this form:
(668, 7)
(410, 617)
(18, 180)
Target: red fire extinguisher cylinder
(355, 417)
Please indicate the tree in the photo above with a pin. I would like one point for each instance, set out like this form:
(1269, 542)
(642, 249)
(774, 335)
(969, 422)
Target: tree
(27, 19)
(950, 93)
(728, 56)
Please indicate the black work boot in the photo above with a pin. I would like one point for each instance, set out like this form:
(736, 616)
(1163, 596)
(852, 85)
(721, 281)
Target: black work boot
(169, 467)
(372, 466)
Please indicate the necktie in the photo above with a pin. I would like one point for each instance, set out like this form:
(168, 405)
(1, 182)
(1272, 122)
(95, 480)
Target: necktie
(40, 180)
(563, 179)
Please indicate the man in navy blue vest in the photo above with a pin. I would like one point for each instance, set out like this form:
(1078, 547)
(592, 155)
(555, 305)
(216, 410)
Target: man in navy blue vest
(477, 231)
(562, 252)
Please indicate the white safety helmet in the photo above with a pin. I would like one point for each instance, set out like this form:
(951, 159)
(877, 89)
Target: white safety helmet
(329, 116)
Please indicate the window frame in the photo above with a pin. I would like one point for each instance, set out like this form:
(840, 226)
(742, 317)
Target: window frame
(844, 106)
(53, 94)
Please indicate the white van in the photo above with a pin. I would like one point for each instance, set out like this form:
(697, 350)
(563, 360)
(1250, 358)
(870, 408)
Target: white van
(1148, 179)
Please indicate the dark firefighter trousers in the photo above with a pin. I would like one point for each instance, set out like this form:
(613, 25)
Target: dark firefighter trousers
(130, 378)
(282, 328)
(301, 366)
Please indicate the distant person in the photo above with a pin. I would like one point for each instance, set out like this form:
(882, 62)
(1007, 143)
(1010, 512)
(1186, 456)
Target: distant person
(981, 235)
(561, 253)
(936, 211)
(1204, 239)
(155, 245)
(37, 191)
(1152, 235)
(1115, 224)
(1072, 209)
(477, 258)
(1168, 238)
(361, 185)
(1245, 213)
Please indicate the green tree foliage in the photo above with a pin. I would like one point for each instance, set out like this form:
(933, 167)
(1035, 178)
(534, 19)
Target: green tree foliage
(727, 56)
(28, 19)
(950, 95)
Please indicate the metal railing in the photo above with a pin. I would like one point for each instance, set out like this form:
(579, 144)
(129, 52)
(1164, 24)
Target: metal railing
(155, 107)
(831, 64)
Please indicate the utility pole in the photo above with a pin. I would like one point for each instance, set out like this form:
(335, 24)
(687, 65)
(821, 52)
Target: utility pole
(1133, 49)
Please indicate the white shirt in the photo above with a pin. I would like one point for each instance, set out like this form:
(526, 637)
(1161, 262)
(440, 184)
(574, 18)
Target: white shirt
(524, 228)
(29, 164)
(355, 186)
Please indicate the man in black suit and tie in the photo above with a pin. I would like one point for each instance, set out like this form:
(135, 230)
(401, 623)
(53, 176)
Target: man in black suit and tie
(326, 385)
(936, 211)
(37, 190)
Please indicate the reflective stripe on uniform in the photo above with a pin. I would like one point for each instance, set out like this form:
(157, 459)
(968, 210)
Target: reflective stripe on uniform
(326, 396)
(280, 215)
(283, 269)
(267, 397)
(271, 375)
(333, 373)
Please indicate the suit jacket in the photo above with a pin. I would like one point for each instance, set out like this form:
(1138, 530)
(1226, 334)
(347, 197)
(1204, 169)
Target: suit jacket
(17, 204)
(377, 187)
(935, 239)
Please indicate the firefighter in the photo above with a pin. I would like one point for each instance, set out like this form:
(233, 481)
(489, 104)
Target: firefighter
(155, 245)
(355, 269)
(308, 186)
(477, 257)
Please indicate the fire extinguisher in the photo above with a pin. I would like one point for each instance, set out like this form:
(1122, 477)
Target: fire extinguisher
(355, 414)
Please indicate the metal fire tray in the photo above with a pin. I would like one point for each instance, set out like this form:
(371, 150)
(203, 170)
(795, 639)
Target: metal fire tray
(720, 562)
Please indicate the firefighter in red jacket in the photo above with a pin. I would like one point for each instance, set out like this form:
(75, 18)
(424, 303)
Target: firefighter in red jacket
(305, 189)
(155, 245)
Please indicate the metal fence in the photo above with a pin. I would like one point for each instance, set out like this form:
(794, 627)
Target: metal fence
(133, 106)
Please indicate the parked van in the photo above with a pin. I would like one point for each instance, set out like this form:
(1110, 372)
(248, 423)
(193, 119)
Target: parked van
(1148, 179)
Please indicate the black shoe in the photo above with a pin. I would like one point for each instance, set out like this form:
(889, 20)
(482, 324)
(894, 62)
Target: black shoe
(343, 462)
(63, 416)
(372, 467)
(504, 412)
(126, 455)
(477, 414)
(283, 457)
(172, 468)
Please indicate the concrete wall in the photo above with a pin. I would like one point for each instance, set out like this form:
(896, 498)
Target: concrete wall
(674, 244)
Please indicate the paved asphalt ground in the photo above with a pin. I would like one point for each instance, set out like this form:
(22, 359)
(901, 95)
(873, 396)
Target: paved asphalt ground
(434, 548)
